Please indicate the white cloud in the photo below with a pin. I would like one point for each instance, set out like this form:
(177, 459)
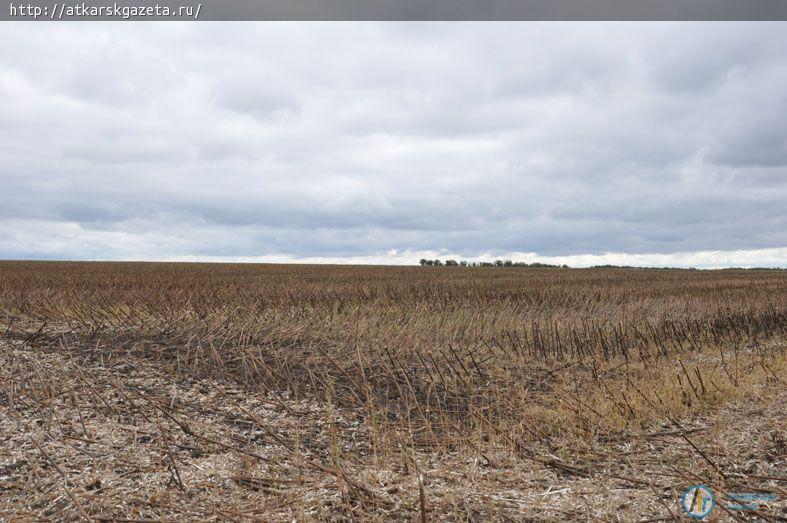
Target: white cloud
(767, 258)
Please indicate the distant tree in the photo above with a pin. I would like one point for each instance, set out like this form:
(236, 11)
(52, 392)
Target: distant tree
(499, 263)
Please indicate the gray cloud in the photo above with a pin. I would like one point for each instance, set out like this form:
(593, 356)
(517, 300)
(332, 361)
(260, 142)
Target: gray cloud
(364, 141)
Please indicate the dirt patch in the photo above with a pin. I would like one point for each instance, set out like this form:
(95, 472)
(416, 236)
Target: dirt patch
(125, 439)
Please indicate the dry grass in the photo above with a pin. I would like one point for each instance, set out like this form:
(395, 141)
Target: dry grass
(172, 391)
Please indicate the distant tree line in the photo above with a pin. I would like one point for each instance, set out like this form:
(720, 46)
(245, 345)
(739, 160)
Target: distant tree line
(536, 265)
(497, 263)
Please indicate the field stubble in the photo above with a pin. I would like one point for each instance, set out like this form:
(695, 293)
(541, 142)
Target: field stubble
(261, 391)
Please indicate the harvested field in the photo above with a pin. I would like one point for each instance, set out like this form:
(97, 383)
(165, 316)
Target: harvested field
(263, 392)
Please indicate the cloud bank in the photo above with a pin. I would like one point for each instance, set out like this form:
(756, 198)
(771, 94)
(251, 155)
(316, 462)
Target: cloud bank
(632, 143)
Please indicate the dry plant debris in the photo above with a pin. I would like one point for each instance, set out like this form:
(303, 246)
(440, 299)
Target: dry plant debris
(195, 392)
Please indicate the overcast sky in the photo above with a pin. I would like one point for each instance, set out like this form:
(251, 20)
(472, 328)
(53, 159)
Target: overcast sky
(582, 143)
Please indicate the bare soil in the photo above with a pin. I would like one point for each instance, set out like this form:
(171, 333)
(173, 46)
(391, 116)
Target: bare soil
(89, 436)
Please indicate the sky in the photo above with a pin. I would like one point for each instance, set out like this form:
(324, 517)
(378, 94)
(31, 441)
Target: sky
(660, 144)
